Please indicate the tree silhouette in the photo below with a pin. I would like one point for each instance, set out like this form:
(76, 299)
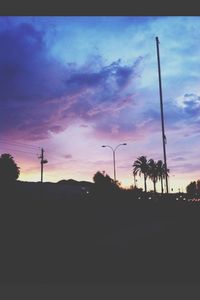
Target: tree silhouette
(9, 171)
(140, 166)
(161, 173)
(104, 182)
(198, 186)
(101, 178)
(153, 172)
(165, 172)
(191, 188)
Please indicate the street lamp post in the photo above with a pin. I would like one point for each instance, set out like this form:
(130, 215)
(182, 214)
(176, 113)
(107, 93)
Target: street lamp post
(113, 151)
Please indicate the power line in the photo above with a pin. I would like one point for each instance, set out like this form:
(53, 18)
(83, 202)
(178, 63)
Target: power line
(17, 144)
(58, 163)
(18, 150)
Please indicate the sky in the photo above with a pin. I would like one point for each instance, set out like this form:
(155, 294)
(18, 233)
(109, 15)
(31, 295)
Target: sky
(72, 84)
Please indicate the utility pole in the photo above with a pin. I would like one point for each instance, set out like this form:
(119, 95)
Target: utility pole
(42, 162)
(162, 115)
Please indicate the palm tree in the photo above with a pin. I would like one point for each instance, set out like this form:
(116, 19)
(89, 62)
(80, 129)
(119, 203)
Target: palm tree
(135, 180)
(161, 172)
(140, 166)
(153, 172)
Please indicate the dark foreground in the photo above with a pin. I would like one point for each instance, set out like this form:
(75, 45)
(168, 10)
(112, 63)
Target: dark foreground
(97, 238)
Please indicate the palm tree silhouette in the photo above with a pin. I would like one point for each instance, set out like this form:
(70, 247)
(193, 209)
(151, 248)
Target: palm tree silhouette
(140, 166)
(161, 172)
(153, 172)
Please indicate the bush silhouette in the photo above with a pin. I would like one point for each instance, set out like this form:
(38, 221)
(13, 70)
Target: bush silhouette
(9, 171)
(104, 182)
(192, 189)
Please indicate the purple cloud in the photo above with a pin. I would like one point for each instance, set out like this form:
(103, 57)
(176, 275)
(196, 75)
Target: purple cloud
(192, 104)
(185, 168)
(39, 95)
(67, 156)
(179, 158)
(27, 73)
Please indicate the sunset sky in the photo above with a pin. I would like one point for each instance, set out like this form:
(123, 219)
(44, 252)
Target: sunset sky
(73, 84)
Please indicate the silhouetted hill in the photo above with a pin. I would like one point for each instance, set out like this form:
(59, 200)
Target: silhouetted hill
(75, 182)
(69, 181)
(63, 186)
(86, 182)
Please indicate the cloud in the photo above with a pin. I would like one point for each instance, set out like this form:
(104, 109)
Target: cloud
(67, 156)
(27, 73)
(185, 168)
(179, 158)
(183, 114)
(39, 95)
(191, 104)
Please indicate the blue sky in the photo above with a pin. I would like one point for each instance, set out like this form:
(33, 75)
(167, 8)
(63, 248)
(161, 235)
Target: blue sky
(71, 84)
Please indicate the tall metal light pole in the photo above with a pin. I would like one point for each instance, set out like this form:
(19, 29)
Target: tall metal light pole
(113, 151)
(162, 115)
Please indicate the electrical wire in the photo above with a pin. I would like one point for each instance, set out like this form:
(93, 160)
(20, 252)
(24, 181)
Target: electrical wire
(18, 150)
(17, 144)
